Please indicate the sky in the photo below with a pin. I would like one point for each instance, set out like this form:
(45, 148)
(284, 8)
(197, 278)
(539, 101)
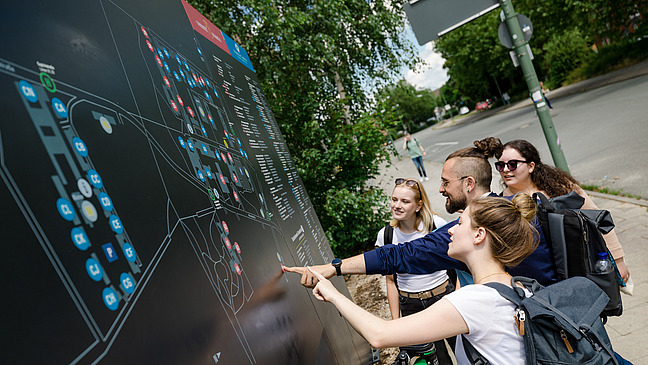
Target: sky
(432, 76)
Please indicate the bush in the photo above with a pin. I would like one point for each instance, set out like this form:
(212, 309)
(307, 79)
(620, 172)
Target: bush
(612, 56)
(563, 53)
(353, 218)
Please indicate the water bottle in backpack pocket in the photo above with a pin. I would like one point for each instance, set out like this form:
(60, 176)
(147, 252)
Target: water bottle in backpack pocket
(576, 239)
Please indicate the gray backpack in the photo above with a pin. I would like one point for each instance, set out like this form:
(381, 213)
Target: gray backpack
(560, 323)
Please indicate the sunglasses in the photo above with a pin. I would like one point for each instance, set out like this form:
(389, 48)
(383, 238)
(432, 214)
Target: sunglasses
(511, 164)
(408, 182)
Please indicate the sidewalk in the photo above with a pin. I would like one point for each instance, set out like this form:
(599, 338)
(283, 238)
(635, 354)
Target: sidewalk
(628, 332)
(623, 74)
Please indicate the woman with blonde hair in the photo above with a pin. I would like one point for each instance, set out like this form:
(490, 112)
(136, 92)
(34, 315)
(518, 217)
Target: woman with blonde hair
(412, 218)
(492, 233)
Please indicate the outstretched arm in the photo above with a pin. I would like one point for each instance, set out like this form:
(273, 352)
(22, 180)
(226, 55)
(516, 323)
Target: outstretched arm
(422, 256)
(351, 265)
(442, 320)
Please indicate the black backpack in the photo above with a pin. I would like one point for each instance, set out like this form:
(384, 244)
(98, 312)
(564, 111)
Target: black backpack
(560, 323)
(576, 237)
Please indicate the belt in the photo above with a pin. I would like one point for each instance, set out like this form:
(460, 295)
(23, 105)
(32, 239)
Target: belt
(428, 293)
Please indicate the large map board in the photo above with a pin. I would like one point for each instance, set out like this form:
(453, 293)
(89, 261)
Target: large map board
(148, 197)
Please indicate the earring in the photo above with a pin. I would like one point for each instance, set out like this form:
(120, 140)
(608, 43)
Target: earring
(417, 210)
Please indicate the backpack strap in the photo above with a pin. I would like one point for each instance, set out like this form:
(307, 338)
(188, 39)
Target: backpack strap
(388, 234)
(473, 355)
(388, 239)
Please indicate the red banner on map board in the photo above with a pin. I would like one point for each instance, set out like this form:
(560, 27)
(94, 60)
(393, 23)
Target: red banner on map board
(203, 26)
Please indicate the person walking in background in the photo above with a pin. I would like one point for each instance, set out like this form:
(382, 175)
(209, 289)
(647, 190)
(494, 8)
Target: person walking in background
(416, 152)
(545, 91)
(507, 98)
(413, 217)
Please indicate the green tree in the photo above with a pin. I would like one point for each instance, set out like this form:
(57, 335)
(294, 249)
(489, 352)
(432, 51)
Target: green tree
(475, 59)
(316, 59)
(412, 107)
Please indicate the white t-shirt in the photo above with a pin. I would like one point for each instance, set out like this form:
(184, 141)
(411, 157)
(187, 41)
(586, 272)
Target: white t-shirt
(491, 325)
(413, 283)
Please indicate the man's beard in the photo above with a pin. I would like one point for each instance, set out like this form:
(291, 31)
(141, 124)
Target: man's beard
(454, 204)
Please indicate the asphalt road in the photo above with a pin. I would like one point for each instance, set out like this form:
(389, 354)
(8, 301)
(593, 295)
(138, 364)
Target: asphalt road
(603, 133)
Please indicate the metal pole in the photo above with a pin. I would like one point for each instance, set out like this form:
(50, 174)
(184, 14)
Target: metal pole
(534, 86)
(446, 103)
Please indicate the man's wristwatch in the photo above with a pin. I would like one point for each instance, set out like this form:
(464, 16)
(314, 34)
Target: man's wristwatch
(337, 264)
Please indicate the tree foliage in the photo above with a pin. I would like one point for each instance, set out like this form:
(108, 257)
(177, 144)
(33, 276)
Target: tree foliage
(316, 59)
(562, 32)
(411, 107)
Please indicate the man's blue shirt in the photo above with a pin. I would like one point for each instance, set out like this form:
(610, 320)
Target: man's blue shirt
(430, 253)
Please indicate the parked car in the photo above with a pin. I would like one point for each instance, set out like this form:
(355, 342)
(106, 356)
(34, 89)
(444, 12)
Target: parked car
(482, 105)
(464, 110)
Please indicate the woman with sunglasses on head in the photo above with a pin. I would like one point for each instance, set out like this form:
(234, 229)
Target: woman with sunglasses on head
(522, 171)
(412, 218)
(492, 233)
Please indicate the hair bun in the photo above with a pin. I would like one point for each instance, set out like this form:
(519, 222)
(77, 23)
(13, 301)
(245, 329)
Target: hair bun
(490, 146)
(525, 205)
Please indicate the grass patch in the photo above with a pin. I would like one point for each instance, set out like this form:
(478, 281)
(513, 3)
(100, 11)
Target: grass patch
(606, 190)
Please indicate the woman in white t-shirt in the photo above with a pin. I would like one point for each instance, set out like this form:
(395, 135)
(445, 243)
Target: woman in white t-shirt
(412, 218)
(492, 233)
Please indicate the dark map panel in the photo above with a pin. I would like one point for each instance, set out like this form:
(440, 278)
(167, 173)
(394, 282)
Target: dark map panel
(148, 197)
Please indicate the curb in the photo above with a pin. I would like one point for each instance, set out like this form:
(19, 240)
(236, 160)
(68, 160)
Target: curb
(623, 199)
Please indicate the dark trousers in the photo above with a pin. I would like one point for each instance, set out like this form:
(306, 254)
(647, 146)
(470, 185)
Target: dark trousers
(411, 305)
(418, 162)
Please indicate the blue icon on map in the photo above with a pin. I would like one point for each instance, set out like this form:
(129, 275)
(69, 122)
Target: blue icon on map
(204, 148)
(105, 201)
(178, 59)
(186, 65)
(218, 156)
(109, 251)
(28, 91)
(177, 77)
(80, 238)
(199, 51)
(129, 252)
(209, 173)
(95, 179)
(208, 83)
(166, 53)
(182, 142)
(201, 176)
(59, 108)
(80, 147)
(159, 52)
(94, 269)
(166, 67)
(207, 95)
(202, 127)
(115, 224)
(190, 144)
(110, 299)
(216, 93)
(127, 282)
(65, 209)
